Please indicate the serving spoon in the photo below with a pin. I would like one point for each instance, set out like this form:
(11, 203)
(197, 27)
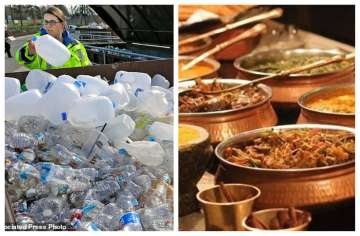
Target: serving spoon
(275, 13)
(252, 32)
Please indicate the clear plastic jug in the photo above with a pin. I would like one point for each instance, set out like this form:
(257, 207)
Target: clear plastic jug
(23, 104)
(12, 87)
(52, 50)
(91, 112)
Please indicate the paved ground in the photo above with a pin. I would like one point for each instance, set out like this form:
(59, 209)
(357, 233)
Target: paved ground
(10, 63)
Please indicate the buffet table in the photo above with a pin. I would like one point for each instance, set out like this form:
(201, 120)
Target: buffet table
(341, 217)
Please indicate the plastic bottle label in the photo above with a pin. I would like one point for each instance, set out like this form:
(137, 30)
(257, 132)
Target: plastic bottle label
(93, 227)
(23, 175)
(152, 138)
(130, 218)
(89, 207)
(40, 137)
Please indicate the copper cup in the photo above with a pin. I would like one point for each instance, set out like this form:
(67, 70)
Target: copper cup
(265, 216)
(223, 215)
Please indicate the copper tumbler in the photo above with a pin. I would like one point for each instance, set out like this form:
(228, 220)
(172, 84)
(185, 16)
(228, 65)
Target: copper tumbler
(223, 215)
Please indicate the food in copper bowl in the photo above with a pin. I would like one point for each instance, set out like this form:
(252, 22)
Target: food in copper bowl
(278, 219)
(333, 104)
(204, 69)
(287, 90)
(225, 122)
(303, 165)
(195, 101)
(297, 148)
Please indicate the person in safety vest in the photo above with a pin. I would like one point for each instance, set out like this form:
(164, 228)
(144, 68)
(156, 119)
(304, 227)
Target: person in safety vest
(54, 25)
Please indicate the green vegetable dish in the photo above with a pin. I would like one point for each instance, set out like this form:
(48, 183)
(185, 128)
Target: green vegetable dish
(299, 60)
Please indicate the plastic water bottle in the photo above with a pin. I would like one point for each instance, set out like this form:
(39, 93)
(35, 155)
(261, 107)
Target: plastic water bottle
(91, 112)
(159, 80)
(38, 79)
(137, 80)
(159, 218)
(154, 103)
(63, 156)
(56, 103)
(168, 163)
(51, 209)
(130, 220)
(52, 50)
(23, 104)
(12, 87)
(161, 131)
(119, 129)
(144, 181)
(32, 124)
(92, 85)
(103, 190)
(20, 141)
(91, 209)
(159, 195)
(118, 95)
(147, 152)
(25, 175)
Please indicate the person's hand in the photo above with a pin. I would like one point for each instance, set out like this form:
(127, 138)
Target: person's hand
(32, 49)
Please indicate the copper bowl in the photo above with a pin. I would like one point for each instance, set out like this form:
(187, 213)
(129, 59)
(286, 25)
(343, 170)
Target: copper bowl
(266, 215)
(286, 91)
(238, 49)
(309, 115)
(222, 215)
(312, 187)
(194, 48)
(224, 124)
(215, 66)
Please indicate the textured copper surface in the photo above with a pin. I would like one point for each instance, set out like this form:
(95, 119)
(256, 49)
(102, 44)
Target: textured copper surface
(292, 187)
(308, 115)
(223, 125)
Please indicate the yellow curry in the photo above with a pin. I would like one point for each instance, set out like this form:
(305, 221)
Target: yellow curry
(199, 70)
(340, 104)
(187, 135)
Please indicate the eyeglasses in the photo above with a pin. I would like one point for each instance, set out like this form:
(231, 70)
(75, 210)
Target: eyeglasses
(51, 22)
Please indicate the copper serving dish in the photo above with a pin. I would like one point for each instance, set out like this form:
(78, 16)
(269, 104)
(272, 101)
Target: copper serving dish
(215, 66)
(224, 124)
(194, 48)
(286, 91)
(312, 187)
(238, 49)
(309, 115)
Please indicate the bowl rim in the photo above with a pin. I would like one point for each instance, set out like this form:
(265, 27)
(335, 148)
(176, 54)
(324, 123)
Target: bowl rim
(265, 88)
(203, 130)
(206, 43)
(254, 132)
(201, 200)
(302, 99)
(214, 63)
(247, 227)
(238, 61)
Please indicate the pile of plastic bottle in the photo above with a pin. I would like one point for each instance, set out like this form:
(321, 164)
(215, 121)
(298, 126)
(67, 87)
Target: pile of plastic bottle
(89, 155)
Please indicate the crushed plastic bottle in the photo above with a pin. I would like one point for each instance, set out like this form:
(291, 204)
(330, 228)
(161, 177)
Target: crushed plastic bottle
(99, 177)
